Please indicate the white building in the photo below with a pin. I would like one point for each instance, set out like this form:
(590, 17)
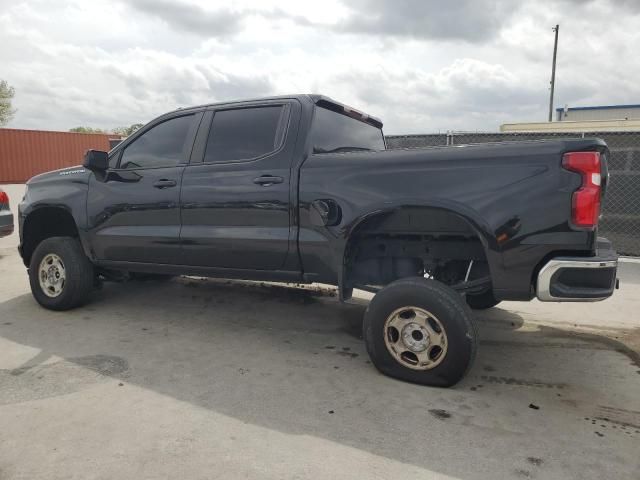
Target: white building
(604, 118)
(603, 112)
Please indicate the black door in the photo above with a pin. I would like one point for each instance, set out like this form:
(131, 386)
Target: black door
(133, 209)
(236, 207)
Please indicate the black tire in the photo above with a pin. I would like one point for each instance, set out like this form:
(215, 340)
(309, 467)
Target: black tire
(451, 311)
(79, 273)
(143, 277)
(482, 301)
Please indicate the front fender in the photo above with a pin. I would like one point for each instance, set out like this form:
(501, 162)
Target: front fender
(67, 195)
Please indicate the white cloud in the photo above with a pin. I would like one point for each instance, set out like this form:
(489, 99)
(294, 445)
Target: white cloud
(462, 65)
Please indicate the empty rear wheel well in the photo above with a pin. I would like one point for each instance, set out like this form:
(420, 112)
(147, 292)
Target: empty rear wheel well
(44, 223)
(411, 242)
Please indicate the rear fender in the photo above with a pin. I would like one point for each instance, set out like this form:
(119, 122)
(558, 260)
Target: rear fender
(470, 217)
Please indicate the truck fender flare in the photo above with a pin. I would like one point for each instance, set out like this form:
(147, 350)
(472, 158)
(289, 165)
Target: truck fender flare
(470, 216)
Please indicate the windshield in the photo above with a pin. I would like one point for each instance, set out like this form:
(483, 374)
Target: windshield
(335, 132)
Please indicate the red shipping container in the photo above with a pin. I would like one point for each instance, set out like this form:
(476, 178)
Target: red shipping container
(25, 153)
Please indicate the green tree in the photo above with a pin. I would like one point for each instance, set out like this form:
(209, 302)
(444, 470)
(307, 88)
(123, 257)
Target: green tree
(6, 95)
(126, 131)
(86, 130)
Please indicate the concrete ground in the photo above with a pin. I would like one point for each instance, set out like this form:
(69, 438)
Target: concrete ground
(197, 378)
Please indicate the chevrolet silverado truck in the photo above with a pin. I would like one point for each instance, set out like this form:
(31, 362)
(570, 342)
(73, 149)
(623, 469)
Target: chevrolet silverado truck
(302, 188)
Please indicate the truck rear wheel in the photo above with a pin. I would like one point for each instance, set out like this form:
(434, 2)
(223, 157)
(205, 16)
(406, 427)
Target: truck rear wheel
(420, 331)
(482, 301)
(60, 274)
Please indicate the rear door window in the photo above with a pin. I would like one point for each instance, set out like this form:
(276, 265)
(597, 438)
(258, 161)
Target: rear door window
(246, 133)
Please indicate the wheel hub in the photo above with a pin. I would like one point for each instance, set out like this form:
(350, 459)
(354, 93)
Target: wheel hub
(52, 275)
(415, 337)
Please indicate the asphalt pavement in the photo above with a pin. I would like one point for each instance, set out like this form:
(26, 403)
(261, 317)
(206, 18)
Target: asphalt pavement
(197, 378)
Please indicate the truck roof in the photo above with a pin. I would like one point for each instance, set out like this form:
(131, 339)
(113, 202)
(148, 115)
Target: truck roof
(317, 99)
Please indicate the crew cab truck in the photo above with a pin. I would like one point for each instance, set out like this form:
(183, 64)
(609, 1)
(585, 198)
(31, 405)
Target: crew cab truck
(302, 189)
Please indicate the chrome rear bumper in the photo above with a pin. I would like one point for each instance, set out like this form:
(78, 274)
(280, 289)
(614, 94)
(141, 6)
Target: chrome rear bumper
(579, 279)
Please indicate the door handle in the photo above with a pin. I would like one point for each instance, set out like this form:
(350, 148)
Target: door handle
(267, 180)
(164, 183)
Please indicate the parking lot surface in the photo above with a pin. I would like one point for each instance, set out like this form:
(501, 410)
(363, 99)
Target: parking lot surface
(197, 378)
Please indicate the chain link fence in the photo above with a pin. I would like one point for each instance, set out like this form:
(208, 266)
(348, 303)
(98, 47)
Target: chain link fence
(621, 211)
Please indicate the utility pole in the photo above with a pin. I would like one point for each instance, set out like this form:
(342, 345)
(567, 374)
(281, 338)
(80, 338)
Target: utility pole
(553, 72)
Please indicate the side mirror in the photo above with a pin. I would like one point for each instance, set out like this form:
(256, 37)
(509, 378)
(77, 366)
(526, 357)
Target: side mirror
(95, 160)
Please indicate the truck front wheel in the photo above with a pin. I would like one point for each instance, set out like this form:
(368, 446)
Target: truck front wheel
(420, 331)
(60, 274)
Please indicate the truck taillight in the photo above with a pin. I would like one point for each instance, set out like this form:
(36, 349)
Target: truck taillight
(585, 205)
(4, 198)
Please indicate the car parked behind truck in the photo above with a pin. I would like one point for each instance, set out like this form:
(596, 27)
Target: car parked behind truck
(6, 217)
(301, 188)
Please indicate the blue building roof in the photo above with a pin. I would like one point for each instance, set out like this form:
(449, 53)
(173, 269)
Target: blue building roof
(600, 107)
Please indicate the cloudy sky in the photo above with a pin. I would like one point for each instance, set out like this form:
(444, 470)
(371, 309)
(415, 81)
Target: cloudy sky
(420, 65)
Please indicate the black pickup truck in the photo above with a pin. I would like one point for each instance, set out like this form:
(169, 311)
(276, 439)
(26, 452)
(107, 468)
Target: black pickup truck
(302, 189)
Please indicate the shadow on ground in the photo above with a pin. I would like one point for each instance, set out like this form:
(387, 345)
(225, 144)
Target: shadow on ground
(290, 358)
